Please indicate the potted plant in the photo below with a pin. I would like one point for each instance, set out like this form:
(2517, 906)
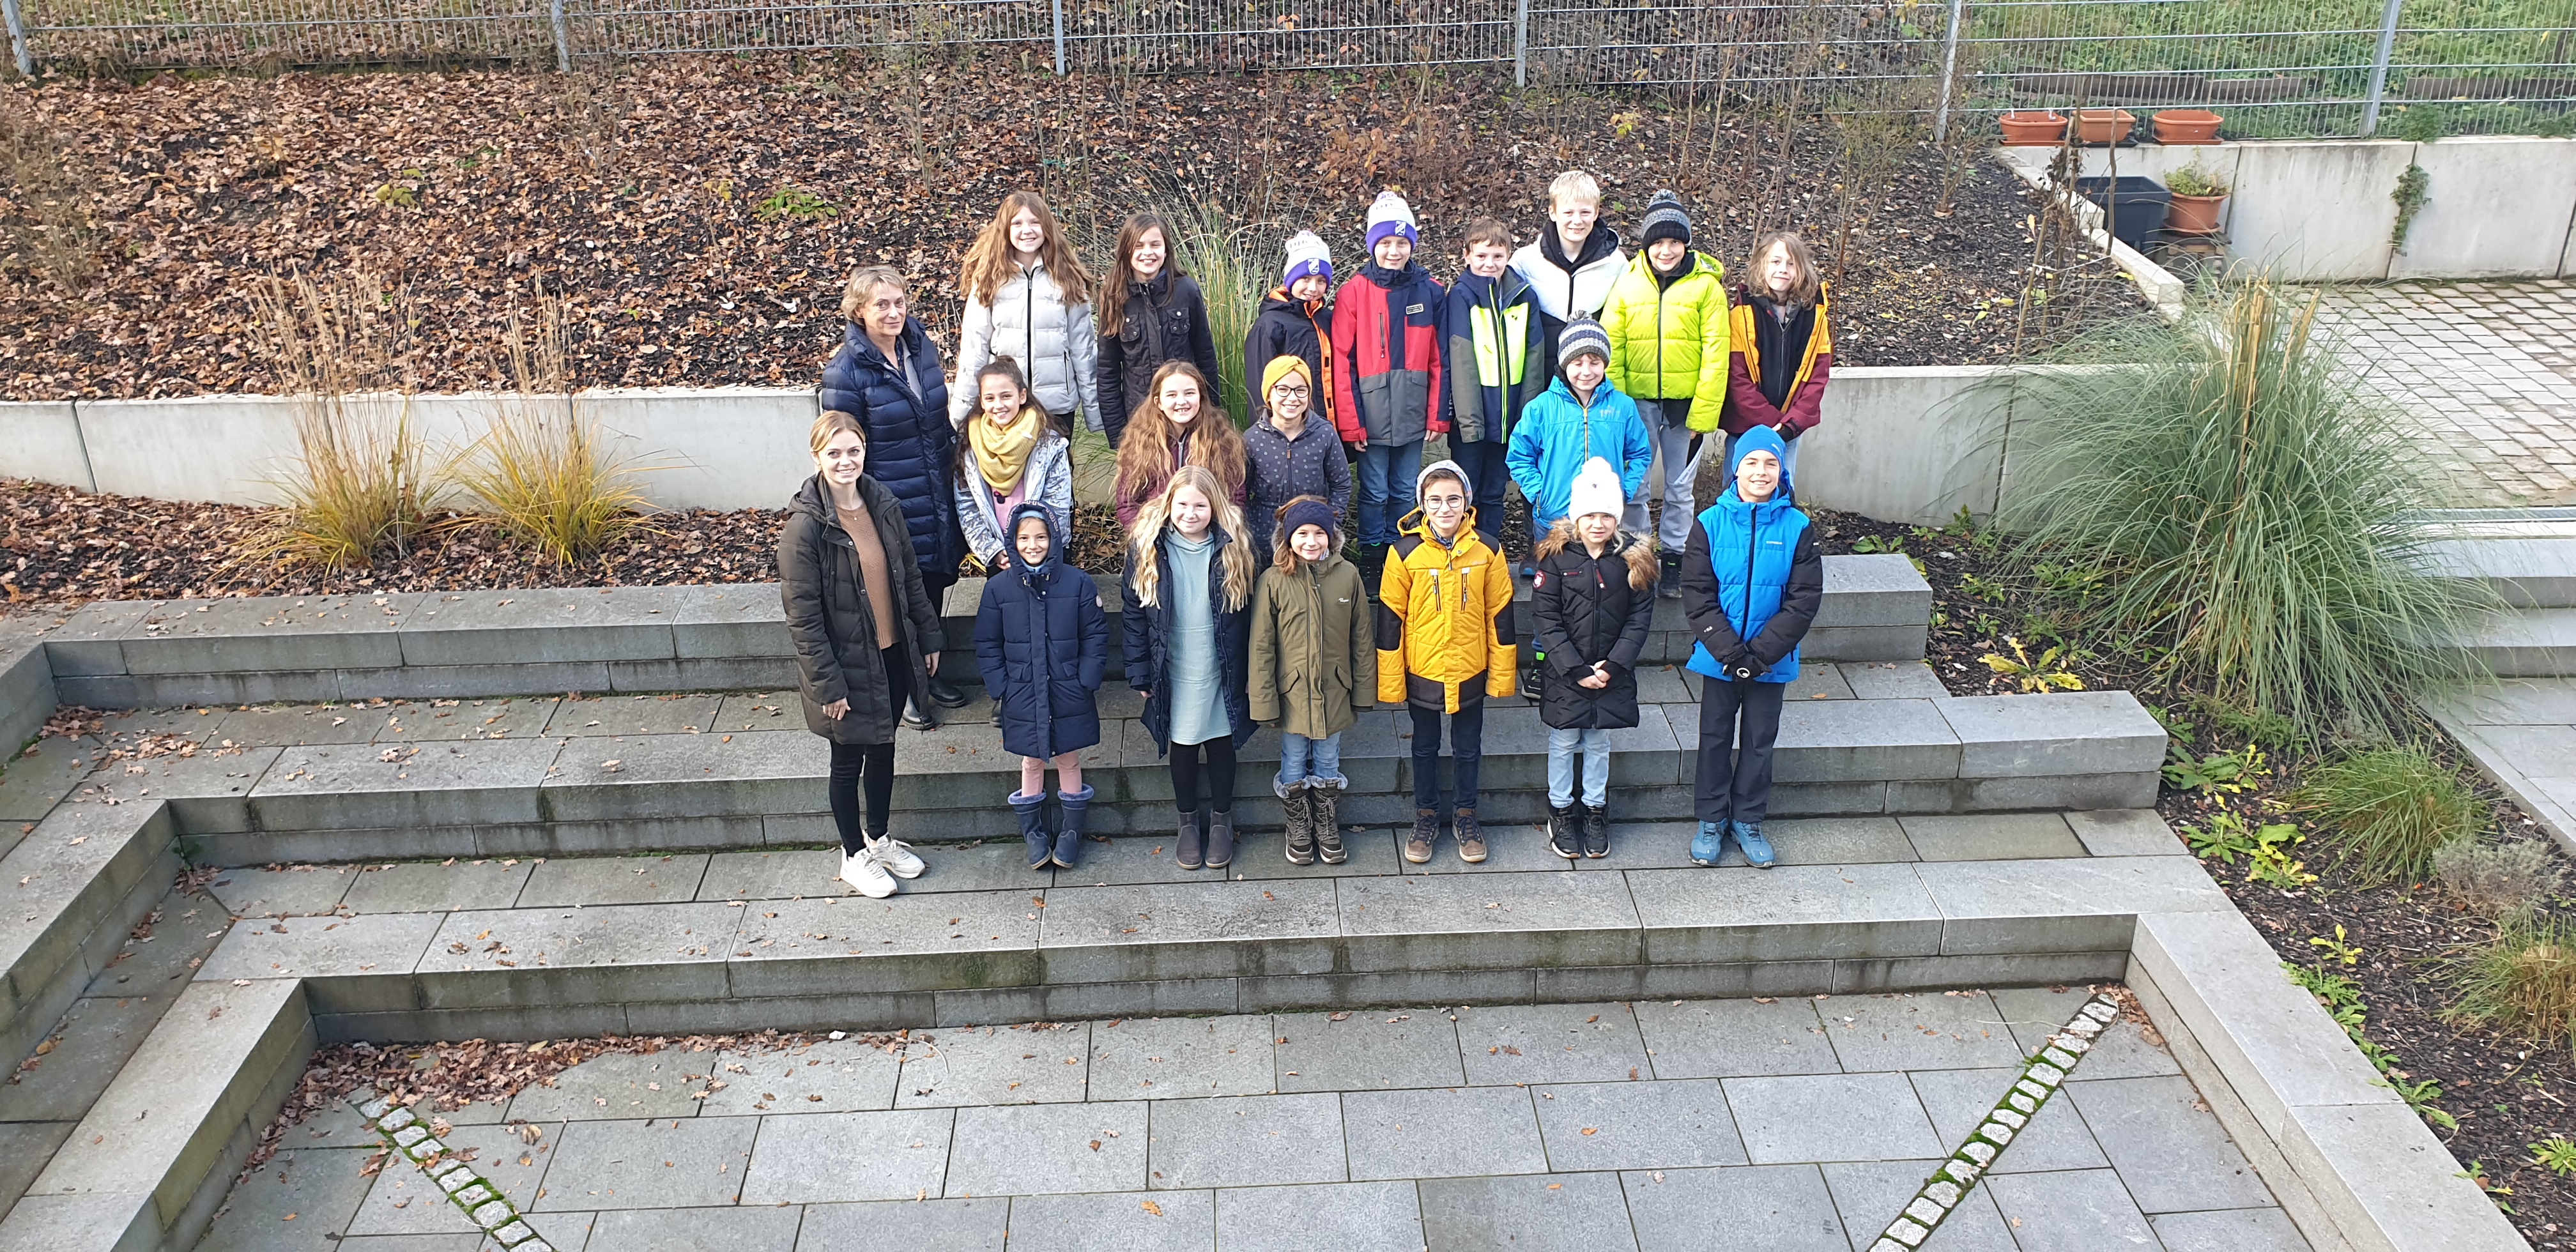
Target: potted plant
(2034, 128)
(2187, 126)
(2196, 200)
(2103, 126)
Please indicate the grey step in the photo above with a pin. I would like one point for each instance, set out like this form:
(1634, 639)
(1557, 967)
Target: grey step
(2525, 573)
(2524, 643)
(529, 796)
(412, 645)
(26, 685)
(79, 881)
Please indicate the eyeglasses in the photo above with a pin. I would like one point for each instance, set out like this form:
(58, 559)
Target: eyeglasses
(1285, 389)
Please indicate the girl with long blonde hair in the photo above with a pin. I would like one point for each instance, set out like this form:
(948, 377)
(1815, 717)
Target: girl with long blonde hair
(1189, 582)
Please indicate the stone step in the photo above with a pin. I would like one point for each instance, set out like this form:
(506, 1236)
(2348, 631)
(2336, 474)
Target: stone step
(412, 645)
(2526, 573)
(2524, 643)
(356, 788)
(80, 879)
(26, 685)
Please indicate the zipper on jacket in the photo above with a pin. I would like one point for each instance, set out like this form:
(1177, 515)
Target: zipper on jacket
(1752, 544)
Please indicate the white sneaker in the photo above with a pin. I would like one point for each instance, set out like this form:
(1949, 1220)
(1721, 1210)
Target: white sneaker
(861, 870)
(897, 859)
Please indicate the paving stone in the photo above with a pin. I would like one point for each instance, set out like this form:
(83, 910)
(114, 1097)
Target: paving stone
(88, 643)
(771, 710)
(1366, 1049)
(668, 776)
(996, 1065)
(668, 1163)
(1959, 1100)
(2074, 1211)
(1953, 1030)
(1870, 1194)
(2070, 732)
(1168, 1221)
(608, 716)
(162, 962)
(270, 633)
(578, 956)
(92, 1042)
(1535, 1043)
(300, 1202)
(1867, 740)
(1553, 1211)
(1369, 851)
(1346, 1216)
(815, 1158)
(1831, 1117)
(458, 784)
(2229, 1230)
(1208, 929)
(406, 1201)
(317, 947)
(1818, 682)
(2126, 832)
(32, 781)
(1133, 858)
(565, 881)
(438, 721)
(1442, 1133)
(426, 887)
(461, 1242)
(1487, 921)
(207, 793)
(2120, 1051)
(781, 874)
(1792, 912)
(550, 624)
(1041, 1149)
(1643, 1125)
(906, 1225)
(1893, 680)
(304, 725)
(697, 1229)
(283, 891)
(1167, 1058)
(2168, 1147)
(1243, 1141)
(618, 1087)
(847, 1076)
(1734, 1038)
(2086, 905)
(1761, 1208)
(1991, 837)
(849, 943)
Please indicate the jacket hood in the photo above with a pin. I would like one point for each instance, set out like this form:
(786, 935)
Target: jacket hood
(1505, 289)
(1565, 390)
(1279, 300)
(1055, 542)
(1763, 439)
(1745, 296)
(812, 501)
(1411, 274)
(1600, 243)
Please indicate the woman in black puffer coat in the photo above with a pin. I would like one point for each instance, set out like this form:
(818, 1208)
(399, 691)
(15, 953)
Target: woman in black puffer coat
(866, 635)
(887, 376)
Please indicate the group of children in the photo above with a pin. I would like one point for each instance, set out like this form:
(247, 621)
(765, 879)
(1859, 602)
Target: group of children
(1565, 367)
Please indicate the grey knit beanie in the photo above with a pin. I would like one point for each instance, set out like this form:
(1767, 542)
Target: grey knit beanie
(1666, 218)
(1582, 335)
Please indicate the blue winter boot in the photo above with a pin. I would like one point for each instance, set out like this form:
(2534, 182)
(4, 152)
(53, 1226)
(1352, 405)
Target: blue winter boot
(1068, 836)
(1032, 811)
(1709, 844)
(1757, 850)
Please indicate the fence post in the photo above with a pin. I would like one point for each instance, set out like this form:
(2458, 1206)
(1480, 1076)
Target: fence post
(1059, 38)
(563, 40)
(18, 38)
(1520, 46)
(2379, 68)
(1949, 69)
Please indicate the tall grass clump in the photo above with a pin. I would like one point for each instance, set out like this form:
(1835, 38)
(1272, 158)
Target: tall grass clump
(2391, 808)
(2521, 984)
(1211, 250)
(2244, 505)
(363, 480)
(542, 475)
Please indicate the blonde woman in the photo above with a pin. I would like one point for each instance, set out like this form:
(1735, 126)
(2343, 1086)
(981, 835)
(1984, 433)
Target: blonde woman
(1187, 635)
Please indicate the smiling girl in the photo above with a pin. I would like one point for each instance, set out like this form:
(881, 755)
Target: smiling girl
(1179, 424)
(1150, 314)
(1184, 643)
(1028, 298)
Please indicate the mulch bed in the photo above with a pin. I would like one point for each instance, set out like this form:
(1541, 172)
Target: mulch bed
(696, 215)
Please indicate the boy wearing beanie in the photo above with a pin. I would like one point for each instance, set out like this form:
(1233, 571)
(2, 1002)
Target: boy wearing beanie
(1494, 361)
(1386, 373)
(1446, 639)
(1581, 417)
(1591, 603)
(1296, 319)
(1572, 262)
(1666, 317)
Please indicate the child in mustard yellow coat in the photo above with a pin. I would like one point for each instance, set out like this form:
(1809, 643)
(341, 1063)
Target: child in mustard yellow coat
(1446, 639)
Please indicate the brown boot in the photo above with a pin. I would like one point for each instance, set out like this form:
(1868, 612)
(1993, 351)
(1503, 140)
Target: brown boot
(1471, 838)
(1426, 832)
(1298, 802)
(1327, 799)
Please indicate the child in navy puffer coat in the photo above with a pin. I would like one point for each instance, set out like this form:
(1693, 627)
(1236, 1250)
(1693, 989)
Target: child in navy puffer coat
(1042, 642)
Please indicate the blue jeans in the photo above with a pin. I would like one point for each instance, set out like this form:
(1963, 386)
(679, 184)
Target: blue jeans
(1561, 746)
(1483, 461)
(1466, 752)
(1386, 479)
(1788, 464)
(1301, 759)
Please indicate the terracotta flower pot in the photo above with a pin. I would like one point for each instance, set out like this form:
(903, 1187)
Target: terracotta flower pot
(2193, 215)
(2187, 126)
(2034, 129)
(2103, 126)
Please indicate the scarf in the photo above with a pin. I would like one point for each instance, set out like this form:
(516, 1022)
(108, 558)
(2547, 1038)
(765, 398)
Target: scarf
(1002, 452)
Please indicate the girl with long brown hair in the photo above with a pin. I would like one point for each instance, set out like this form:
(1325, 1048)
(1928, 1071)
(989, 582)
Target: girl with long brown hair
(1150, 314)
(1179, 424)
(1028, 298)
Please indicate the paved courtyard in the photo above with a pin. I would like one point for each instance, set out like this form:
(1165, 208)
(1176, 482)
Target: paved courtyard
(1789, 1125)
(2488, 366)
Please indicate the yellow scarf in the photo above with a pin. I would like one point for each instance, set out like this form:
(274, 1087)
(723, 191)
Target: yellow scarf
(1002, 452)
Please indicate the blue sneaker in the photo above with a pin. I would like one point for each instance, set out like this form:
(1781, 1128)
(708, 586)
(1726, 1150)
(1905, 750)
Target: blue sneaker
(1757, 850)
(1709, 844)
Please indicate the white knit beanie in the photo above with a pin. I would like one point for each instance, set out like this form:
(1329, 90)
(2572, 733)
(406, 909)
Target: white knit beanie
(1596, 490)
(1390, 215)
(1308, 255)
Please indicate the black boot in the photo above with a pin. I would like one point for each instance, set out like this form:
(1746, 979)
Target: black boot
(915, 716)
(1327, 798)
(945, 693)
(1671, 586)
(1373, 567)
(1564, 833)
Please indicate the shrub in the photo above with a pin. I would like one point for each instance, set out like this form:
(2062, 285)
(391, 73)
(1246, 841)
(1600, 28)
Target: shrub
(2392, 808)
(2502, 881)
(1212, 251)
(540, 474)
(2246, 507)
(2522, 983)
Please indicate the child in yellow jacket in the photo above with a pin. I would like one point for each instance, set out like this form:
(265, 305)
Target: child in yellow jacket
(1667, 322)
(1446, 639)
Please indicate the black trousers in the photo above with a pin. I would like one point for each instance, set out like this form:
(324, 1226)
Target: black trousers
(1203, 772)
(1735, 770)
(871, 764)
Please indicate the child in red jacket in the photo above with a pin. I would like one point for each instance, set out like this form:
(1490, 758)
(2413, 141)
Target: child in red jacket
(1386, 373)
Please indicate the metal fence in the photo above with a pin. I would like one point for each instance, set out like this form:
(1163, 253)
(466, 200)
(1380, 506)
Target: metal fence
(2275, 67)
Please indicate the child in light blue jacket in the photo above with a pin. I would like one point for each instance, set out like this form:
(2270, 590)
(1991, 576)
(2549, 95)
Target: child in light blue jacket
(1580, 417)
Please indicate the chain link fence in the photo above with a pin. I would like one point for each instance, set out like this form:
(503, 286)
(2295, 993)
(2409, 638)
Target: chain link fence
(2274, 67)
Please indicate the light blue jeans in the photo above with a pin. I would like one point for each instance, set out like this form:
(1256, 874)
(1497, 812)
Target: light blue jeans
(1302, 759)
(1561, 745)
(1386, 488)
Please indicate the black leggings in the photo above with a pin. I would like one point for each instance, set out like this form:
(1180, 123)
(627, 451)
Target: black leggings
(872, 761)
(1213, 760)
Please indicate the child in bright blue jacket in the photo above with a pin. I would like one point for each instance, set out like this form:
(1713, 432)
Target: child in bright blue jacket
(1042, 642)
(1751, 584)
(1581, 416)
